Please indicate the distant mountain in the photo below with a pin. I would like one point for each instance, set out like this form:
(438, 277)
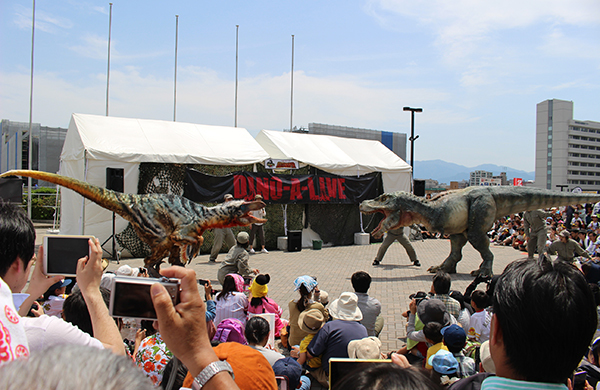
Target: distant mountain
(445, 172)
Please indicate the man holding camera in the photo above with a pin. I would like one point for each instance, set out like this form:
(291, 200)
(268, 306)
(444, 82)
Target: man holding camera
(17, 246)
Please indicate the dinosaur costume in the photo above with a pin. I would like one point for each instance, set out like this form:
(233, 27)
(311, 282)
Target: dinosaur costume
(466, 215)
(170, 224)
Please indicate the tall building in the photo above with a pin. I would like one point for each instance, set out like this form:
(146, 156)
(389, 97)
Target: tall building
(567, 151)
(396, 142)
(476, 176)
(46, 148)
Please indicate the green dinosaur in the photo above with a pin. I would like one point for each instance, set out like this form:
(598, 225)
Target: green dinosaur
(465, 215)
(170, 224)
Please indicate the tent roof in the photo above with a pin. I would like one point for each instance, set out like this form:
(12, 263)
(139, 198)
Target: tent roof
(145, 140)
(334, 154)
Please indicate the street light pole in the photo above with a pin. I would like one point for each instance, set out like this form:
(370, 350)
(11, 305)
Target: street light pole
(412, 138)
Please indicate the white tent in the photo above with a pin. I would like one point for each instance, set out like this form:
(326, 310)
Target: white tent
(94, 143)
(340, 156)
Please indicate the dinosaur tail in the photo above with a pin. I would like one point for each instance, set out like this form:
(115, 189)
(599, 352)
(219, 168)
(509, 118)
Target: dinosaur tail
(511, 200)
(111, 200)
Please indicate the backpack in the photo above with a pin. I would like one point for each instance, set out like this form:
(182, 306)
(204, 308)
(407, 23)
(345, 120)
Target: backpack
(230, 329)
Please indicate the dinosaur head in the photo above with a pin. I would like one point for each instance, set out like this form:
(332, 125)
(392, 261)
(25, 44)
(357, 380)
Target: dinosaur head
(233, 213)
(389, 205)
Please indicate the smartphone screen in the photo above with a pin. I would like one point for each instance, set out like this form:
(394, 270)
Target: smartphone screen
(61, 254)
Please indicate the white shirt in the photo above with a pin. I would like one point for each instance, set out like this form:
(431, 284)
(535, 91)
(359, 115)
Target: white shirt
(44, 332)
(479, 326)
(13, 341)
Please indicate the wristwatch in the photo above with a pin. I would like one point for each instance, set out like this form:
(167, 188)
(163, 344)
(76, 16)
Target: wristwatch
(209, 371)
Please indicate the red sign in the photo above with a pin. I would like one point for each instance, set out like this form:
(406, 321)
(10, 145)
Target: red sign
(518, 182)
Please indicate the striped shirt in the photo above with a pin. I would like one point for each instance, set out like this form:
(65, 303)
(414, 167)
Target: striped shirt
(498, 383)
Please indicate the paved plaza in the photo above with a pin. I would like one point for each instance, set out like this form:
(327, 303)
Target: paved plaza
(393, 281)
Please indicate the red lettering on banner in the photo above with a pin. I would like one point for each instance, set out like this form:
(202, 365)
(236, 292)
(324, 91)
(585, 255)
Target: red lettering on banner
(239, 187)
(295, 191)
(341, 188)
(276, 188)
(323, 190)
(332, 187)
(311, 190)
(262, 187)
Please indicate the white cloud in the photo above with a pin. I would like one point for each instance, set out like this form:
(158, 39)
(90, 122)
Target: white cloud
(44, 21)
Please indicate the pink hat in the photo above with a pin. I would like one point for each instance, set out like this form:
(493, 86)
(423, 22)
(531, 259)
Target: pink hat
(239, 281)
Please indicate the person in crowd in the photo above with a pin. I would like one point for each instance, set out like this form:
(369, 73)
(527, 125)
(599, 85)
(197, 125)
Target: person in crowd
(333, 338)
(370, 307)
(455, 339)
(257, 336)
(440, 289)
(76, 312)
(530, 293)
(260, 303)
(479, 326)
(566, 248)
(367, 348)
(231, 302)
(399, 376)
(257, 228)
(236, 261)
(173, 375)
(290, 369)
(17, 244)
(591, 272)
(54, 298)
(220, 235)
(309, 321)
(464, 317)
(390, 237)
(152, 356)
(595, 223)
(308, 288)
(433, 335)
(591, 364)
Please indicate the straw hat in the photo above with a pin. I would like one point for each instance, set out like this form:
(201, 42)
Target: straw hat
(367, 348)
(346, 308)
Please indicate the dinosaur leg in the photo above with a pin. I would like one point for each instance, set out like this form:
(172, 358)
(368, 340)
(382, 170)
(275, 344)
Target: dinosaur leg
(481, 217)
(457, 242)
(481, 243)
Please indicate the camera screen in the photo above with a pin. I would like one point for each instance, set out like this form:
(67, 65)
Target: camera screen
(133, 300)
(63, 253)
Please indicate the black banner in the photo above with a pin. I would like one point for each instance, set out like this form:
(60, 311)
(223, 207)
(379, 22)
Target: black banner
(284, 189)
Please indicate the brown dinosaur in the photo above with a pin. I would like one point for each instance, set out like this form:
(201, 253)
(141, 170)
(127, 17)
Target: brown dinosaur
(466, 215)
(170, 224)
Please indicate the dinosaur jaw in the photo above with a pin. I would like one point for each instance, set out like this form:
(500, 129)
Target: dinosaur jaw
(390, 222)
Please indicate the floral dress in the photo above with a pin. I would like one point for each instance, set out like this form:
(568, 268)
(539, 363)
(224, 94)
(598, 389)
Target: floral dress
(152, 357)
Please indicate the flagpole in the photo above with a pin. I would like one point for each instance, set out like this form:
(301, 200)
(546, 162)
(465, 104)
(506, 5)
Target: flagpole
(175, 81)
(292, 87)
(237, 29)
(30, 140)
(108, 63)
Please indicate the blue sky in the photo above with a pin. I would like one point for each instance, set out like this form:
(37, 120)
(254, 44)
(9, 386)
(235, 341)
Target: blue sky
(477, 68)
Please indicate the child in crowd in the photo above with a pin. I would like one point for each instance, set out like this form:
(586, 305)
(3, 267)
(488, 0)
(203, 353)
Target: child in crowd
(260, 303)
(455, 339)
(54, 298)
(310, 321)
(479, 327)
(432, 332)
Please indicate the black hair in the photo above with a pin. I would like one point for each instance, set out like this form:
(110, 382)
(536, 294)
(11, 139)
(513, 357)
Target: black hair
(586, 267)
(432, 330)
(596, 292)
(17, 237)
(457, 295)
(76, 312)
(302, 303)
(442, 282)
(257, 328)
(228, 287)
(385, 376)
(256, 301)
(555, 294)
(361, 281)
(595, 349)
(480, 299)
(148, 326)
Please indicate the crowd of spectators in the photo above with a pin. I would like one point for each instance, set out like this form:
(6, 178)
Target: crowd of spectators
(531, 327)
